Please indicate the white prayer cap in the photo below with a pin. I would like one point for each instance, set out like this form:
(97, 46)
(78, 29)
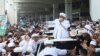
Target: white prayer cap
(48, 42)
(35, 35)
(62, 14)
(93, 43)
(11, 44)
(88, 27)
(18, 49)
(29, 49)
(9, 33)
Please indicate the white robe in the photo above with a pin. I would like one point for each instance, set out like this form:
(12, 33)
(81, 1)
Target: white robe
(97, 50)
(25, 44)
(59, 31)
(2, 45)
(34, 46)
(52, 51)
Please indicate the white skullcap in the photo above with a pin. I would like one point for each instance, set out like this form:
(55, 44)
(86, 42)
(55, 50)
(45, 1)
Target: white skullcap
(62, 14)
(9, 33)
(11, 44)
(29, 49)
(93, 43)
(18, 49)
(48, 42)
(35, 35)
(88, 27)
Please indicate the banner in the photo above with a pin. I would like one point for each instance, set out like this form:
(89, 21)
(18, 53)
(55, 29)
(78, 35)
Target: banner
(3, 25)
(95, 10)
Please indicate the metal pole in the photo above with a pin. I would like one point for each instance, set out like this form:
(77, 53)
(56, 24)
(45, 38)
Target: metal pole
(53, 11)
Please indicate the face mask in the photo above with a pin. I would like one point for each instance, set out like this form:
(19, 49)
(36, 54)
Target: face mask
(60, 19)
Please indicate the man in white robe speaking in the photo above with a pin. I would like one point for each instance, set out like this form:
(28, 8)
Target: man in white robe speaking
(61, 27)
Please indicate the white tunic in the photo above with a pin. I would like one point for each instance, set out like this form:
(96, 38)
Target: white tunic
(25, 44)
(34, 46)
(2, 45)
(60, 32)
(52, 51)
(97, 50)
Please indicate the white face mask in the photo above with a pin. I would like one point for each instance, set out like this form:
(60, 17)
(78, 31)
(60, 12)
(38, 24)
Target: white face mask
(60, 19)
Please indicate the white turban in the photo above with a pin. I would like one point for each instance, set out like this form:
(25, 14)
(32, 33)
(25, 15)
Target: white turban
(62, 14)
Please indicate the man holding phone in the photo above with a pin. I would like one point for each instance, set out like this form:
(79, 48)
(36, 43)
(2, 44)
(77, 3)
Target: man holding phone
(61, 27)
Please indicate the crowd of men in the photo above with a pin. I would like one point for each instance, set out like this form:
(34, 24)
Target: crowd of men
(19, 41)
